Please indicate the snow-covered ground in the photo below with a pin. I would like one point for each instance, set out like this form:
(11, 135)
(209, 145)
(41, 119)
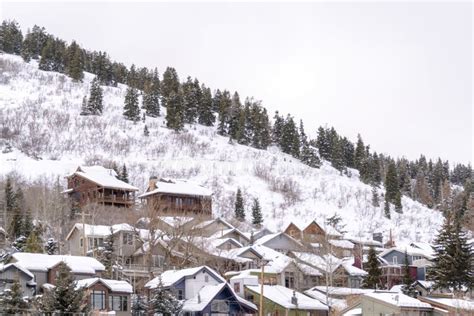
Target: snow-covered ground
(39, 115)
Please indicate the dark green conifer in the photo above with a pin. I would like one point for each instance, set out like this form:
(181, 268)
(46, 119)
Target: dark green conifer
(372, 280)
(239, 210)
(131, 110)
(257, 218)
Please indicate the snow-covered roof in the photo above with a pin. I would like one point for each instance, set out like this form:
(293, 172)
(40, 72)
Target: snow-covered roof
(181, 187)
(332, 302)
(426, 284)
(103, 177)
(267, 238)
(398, 300)
(204, 224)
(282, 296)
(113, 285)
(341, 243)
(328, 263)
(44, 262)
(170, 277)
(175, 221)
(348, 265)
(308, 270)
(328, 229)
(353, 312)
(104, 230)
(452, 302)
(340, 291)
(207, 293)
(4, 267)
(411, 251)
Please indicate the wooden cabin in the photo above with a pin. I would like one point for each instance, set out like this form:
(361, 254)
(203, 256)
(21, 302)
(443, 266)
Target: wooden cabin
(178, 198)
(97, 184)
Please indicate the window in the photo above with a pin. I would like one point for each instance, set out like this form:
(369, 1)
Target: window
(237, 287)
(180, 295)
(118, 303)
(219, 306)
(158, 260)
(81, 242)
(206, 278)
(98, 300)
(290, 280)
(416, 258)
(395, 260)
(127, 239)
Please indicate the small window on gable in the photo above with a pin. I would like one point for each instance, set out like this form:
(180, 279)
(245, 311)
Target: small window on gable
(206, 278)
(395, 260)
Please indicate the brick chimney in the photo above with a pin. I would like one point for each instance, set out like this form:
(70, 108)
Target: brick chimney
(152, 183)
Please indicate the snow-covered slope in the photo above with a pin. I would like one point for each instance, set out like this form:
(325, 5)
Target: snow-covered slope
(39, 116)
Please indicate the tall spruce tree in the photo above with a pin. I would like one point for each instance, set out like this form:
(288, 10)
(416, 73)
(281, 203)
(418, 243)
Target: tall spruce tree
(151, 96)
(131, 110)
(453, 261)
(124, 174)
(163, 302)
(94, 104)
(407, 281)
(322, 143)
(392, 189)
(372, 279)
(11, 38)
(12, 301)
(205, 115)
(169, 86)
(257, 218)
(107, 255)
(239, 209)
(290, 140)
(64, 299)
(75, 64)
(175, 111)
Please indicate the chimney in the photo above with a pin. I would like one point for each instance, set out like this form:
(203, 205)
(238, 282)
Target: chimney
(377, 237)
(294, 299)
(152, 183)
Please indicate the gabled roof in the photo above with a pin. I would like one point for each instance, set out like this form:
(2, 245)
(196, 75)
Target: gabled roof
(283, 297)
(328, 229)
(205, 224)
(104, 230)
(207, 294)
(171, 277)
(451, 303)
(224, 233)
(411, 251)
(5, 267)
(181, 187)
(113, 285)
(103, 177)
(269, 237)
(340, 291)
(399, 300)
(44, 262)
(175, 221)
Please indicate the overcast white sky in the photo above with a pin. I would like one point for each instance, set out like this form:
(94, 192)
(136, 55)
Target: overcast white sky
(400, 74)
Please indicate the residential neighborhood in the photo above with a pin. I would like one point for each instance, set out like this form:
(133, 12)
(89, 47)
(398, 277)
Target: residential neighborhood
(185, 261)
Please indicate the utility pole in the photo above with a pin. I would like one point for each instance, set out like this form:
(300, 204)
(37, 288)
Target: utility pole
(84, 240)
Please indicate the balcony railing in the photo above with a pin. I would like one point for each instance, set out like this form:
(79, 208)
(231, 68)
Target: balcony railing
(139, 268)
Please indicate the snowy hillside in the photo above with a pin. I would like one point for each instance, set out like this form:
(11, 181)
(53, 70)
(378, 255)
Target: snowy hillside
(39, 117)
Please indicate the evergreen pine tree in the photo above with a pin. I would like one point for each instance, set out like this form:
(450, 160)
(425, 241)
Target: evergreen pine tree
(453, 262)
(151, 96)
(12, 302)
(391, 185)
(107, 255)
(375, 197)
(139, 306)
(407, 281)
(174, 112)
(51, 246)
(33, 243)
(11, 38)
(359, 153)
(10, 200)
(124, 174)
(239, 210)
(257, 218)
(162, 302)
(277, 128)
(191, 98)
(290, 140)
(131, 110)
(64, 299)
(169, 85)
(398, 203)
(372, 280)
(386, 209)
(146, 132)
(205, 115)
(94, 104)
(75, 63)
(322, 144)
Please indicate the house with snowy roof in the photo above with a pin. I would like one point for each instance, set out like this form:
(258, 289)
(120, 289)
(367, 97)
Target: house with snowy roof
(389, 303)
(449, 305)
(279, 300)
(44, 267)
(169, 197)
(279, 269)
(203, 291)
(104, 295)
(12, 272)
(342, 271)
(96, 184)
(210, 227)
(313, 231)
(281, 242)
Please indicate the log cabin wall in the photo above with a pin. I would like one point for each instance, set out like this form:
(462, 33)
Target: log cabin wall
(180, 205)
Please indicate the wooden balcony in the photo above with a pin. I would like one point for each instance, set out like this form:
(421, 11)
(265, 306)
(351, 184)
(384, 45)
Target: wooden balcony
(115, 200)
